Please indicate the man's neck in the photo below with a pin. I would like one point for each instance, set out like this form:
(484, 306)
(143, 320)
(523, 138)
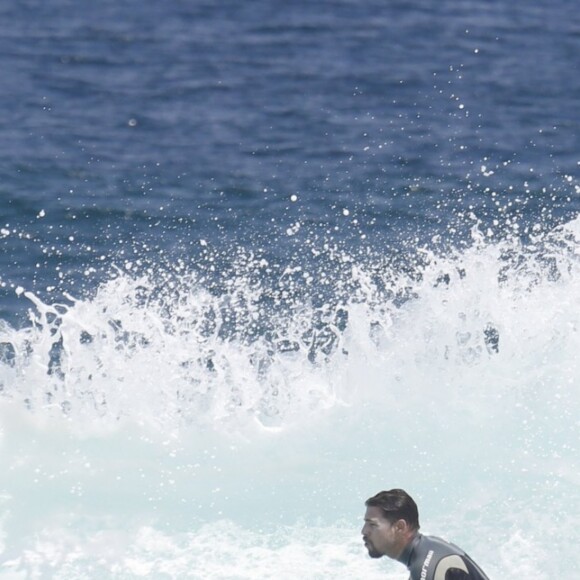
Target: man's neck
(407, 551)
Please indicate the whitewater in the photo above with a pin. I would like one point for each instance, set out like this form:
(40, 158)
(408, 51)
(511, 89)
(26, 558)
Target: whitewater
(175, 426)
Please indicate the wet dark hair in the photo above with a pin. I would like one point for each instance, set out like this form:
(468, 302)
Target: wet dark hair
(396, 504)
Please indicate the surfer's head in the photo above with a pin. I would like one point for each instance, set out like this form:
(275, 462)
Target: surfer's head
(391, 521)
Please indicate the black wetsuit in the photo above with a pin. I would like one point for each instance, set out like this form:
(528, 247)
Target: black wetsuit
(430, 558)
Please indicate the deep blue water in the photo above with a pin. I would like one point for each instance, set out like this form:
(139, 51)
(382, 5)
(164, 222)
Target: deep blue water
(144, 127)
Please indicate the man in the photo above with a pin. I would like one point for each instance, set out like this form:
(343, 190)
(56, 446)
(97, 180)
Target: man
(392, 529)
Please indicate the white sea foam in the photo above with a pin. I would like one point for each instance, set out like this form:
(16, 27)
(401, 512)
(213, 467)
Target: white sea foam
(172, 431)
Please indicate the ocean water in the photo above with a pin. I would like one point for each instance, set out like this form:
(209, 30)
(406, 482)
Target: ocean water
(261, 260)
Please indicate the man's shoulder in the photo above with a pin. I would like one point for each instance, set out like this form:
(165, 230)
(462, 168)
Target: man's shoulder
(438, 559)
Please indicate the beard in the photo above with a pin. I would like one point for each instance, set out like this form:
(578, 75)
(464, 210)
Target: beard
(373, 552)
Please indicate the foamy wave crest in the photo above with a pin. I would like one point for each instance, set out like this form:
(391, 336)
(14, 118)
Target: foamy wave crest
(168, 402)
(163, 348)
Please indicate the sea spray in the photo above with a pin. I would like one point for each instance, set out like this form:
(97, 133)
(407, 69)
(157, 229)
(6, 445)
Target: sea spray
(150, 423)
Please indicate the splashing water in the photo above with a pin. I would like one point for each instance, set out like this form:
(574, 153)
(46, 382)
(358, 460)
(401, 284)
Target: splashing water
(163, 428)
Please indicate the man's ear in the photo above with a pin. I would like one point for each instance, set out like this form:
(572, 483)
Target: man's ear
(401, 526)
